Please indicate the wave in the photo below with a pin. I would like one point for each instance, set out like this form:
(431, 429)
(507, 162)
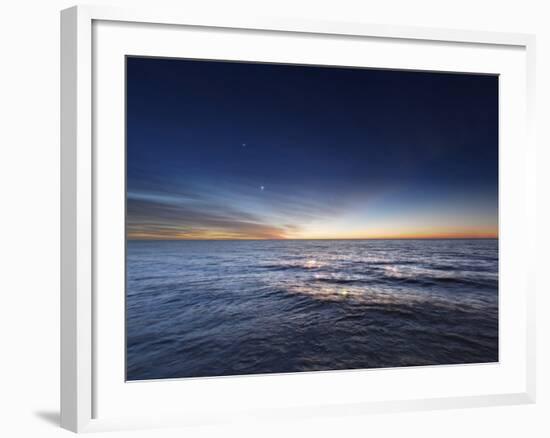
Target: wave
(292, 266)
(426, 280)
(418, 280)
(393, 275)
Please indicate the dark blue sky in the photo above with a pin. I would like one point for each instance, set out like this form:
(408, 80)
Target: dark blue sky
(243, 150)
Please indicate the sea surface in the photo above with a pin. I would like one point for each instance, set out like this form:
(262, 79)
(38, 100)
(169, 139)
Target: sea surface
(217, 308)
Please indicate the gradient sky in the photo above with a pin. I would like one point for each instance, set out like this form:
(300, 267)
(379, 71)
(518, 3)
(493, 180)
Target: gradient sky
(223, 150)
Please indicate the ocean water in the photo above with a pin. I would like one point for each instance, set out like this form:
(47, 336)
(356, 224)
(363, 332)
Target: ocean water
(216, 308)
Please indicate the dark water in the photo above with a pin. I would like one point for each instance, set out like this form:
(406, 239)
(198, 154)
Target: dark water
(211, 308)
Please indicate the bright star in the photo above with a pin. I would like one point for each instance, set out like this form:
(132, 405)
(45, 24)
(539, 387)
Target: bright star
(262, 188)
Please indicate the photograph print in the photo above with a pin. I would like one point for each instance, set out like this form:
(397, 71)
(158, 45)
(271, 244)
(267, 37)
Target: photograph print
(298, 218)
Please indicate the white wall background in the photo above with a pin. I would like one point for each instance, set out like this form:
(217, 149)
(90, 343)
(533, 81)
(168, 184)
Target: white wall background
(29, 216)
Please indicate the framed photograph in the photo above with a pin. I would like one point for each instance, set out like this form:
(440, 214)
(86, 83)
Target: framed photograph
(255, 208)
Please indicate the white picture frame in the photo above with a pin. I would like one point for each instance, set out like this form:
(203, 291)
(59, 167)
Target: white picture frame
(86, 378)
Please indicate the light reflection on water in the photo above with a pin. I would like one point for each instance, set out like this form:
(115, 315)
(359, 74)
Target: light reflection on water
(203, 308)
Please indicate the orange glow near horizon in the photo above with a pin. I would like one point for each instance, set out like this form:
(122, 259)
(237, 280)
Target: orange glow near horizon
(434, 233)
(485, 233)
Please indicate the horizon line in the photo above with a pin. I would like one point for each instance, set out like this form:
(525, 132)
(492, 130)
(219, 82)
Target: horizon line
(349, 238)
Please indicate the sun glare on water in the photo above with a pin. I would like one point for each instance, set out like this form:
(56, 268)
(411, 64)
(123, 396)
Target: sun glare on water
(310, 264)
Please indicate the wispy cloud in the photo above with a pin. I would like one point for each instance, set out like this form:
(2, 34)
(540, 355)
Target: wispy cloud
(234, 211)
(233, 208)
